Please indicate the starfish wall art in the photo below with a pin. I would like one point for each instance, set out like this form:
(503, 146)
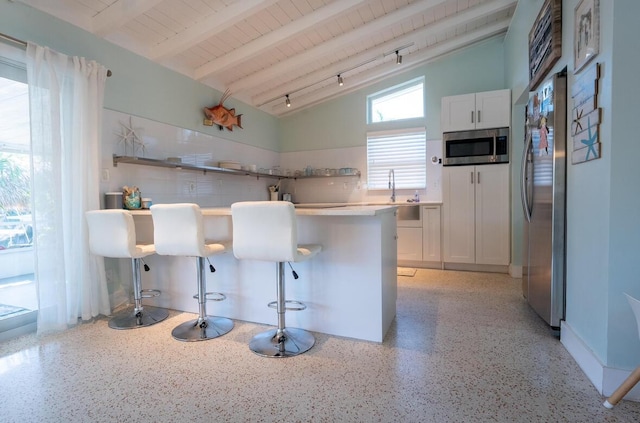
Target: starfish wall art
(586, 116)
(129, 139)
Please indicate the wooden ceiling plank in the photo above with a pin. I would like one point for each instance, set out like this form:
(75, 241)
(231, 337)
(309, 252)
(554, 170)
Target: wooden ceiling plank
(215, 23)
(335, 43)
(373, 75)
(435, 28)
(118, 14)
(275, 37)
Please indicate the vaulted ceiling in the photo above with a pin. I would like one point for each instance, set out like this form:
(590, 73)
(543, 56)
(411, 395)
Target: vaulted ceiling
(263, 50)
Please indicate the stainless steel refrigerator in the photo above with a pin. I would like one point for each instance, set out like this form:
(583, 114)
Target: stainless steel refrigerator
(543, 199)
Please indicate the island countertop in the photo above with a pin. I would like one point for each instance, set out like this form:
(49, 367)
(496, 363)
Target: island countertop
(307, 210)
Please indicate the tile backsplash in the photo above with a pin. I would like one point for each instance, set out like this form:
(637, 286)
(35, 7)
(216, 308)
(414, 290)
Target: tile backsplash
(157, 140)
(164, 185)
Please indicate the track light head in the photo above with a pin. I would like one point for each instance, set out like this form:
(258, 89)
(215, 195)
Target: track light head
(288, 102)
(340, 80)
(398, 57)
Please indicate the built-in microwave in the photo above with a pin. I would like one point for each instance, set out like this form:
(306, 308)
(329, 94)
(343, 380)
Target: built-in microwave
(479, 146)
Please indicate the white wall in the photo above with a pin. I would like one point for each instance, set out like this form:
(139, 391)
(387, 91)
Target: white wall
(164, 185)
(352, 189)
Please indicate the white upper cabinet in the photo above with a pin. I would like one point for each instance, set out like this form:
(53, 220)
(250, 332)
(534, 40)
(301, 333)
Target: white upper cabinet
(489, 109)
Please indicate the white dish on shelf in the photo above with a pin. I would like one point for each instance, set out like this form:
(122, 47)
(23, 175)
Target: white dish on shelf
(230, 165)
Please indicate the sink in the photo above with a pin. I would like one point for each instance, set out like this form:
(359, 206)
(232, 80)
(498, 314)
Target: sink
(411, 212)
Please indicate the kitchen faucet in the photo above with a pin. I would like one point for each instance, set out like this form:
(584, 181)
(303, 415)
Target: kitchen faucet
(392, 185)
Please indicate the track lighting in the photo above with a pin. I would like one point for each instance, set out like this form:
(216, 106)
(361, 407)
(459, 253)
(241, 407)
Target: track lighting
(395, 50)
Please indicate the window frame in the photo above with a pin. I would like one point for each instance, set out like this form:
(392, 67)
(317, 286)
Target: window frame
(387, 92)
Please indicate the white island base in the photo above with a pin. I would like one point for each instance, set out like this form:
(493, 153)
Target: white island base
(350, 288)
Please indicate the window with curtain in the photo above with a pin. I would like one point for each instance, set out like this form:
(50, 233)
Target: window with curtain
(396, 137)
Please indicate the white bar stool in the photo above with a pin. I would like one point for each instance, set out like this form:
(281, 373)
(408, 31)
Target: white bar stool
(178, 231)
(112, 233)
(267, 230)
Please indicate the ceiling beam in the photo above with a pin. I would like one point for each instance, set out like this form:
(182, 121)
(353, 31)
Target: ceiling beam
(276, 37)
(208, 27)
(260, 77)
(373, 75)
(118, 14)
(437, 27)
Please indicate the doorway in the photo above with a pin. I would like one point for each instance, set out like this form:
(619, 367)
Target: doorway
(18, 297)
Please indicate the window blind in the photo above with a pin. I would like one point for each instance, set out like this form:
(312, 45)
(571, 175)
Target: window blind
(404, 151)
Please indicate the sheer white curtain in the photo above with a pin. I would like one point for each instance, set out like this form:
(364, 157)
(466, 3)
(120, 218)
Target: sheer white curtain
(65, 98)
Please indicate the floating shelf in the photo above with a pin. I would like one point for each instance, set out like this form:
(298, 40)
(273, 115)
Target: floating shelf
(184, 166)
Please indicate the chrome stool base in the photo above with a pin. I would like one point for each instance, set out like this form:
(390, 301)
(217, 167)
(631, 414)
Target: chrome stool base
(193, 330)
(296, 341)
(128, 320)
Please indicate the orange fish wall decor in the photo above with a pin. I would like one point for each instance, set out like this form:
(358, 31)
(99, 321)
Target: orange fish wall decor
(221, 116)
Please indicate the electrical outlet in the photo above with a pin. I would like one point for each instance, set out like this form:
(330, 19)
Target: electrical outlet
(105, 175)
(192, 187)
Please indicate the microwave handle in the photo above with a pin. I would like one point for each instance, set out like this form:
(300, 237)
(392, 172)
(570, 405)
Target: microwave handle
(495, 143)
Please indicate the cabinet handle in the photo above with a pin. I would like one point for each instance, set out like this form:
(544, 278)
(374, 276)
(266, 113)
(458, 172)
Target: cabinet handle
(479, 116)
(472, 178)
(478, 177)
(472, 112)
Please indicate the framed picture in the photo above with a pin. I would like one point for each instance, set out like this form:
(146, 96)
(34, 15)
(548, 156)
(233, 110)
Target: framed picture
(545, 42)
(586, 33)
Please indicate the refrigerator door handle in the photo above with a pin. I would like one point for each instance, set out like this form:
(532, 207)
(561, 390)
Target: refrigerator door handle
(523, 179)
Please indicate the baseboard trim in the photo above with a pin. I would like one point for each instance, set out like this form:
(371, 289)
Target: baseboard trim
(515, 271)
(605, 379)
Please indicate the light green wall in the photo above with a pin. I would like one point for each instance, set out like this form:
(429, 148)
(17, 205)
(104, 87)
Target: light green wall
(603, 196)
(138, 86)
(341, 122)
(623, 348)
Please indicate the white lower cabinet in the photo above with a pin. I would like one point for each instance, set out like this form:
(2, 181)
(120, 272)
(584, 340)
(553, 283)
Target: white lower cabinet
(419, 239)
(431, 228)
(476, 222)
(409, 243)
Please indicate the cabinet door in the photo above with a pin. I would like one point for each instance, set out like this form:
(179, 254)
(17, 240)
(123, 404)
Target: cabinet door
(457, 113)
(431, 226)
(492, 215)
(458, 195)
(410, 244)
(493, 109)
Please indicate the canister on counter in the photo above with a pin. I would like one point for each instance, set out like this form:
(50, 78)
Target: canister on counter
(113, 200)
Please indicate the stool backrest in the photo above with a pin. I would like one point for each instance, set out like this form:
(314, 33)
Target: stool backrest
(178, 229)
(112, 233)
(264, 230)
(635, 306)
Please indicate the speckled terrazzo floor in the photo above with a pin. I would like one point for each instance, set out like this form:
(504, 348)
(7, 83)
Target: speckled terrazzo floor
(464, 348)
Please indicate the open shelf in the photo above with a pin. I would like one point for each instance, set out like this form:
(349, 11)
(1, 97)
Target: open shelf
(184, 166)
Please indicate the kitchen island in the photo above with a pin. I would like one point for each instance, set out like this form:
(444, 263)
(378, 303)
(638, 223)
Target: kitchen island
(349, 288)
